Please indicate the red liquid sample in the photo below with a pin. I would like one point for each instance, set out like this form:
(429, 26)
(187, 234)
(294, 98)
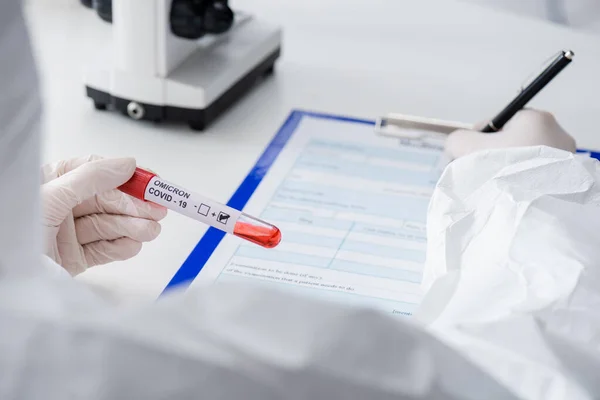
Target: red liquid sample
(264, 235)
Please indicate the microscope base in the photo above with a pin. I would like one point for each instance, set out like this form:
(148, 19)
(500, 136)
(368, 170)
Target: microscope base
(197, 118)
(190, 81)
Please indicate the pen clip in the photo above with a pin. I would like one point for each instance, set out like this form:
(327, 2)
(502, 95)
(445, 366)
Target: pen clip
(534, 75)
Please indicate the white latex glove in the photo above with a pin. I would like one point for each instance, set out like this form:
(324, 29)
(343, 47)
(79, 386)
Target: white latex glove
(87, 221)
(526, 128)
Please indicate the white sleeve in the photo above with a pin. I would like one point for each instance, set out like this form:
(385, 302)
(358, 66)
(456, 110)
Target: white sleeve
(513, 268)
(58, 341)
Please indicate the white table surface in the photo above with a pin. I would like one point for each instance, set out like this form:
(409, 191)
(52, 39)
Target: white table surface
(359, 58)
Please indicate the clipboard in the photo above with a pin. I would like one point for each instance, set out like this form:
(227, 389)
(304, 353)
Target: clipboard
(392, 125)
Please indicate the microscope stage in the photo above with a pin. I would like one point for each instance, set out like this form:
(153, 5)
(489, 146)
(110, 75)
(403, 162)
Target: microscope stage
(198, 90)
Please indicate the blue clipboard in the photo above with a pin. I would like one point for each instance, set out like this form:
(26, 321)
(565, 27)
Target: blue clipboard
(211, 239)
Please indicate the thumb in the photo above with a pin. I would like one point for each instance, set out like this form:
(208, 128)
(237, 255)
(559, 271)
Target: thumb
(62, 194)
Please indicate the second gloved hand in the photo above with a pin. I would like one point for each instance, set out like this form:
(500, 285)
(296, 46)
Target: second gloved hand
(526, 128)
(89, 222)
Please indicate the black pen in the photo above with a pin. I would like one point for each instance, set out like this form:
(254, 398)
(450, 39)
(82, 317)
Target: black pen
(531, 90)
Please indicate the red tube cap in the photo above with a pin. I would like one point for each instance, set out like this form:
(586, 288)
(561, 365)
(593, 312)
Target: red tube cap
(136, 186)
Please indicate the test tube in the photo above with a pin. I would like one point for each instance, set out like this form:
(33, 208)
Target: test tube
(147, 186)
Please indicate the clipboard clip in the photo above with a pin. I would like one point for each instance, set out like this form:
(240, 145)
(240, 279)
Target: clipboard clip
(416, 128)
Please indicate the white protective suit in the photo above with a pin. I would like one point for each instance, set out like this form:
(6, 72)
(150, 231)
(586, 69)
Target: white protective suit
(511, 264)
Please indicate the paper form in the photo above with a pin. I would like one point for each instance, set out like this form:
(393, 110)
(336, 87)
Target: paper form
(351, 207)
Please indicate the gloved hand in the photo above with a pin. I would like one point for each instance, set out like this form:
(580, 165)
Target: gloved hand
(527, 128)
(87, 221)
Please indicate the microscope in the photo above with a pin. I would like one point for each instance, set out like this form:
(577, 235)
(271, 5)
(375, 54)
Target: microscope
(179, 60)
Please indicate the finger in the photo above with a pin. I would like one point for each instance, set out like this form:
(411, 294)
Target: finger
(478, 126)
(463, 142)
(539, 127)
(82, 183)
(532, 118)
(71, 254)
(105, 251)
(96, 227)
(117, 202)
(59, 168)
(525, 113)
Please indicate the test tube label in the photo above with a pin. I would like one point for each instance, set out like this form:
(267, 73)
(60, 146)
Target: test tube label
(191, 204)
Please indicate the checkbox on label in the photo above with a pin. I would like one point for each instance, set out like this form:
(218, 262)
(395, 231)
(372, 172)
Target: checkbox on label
(203, 209)
(223, 218)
